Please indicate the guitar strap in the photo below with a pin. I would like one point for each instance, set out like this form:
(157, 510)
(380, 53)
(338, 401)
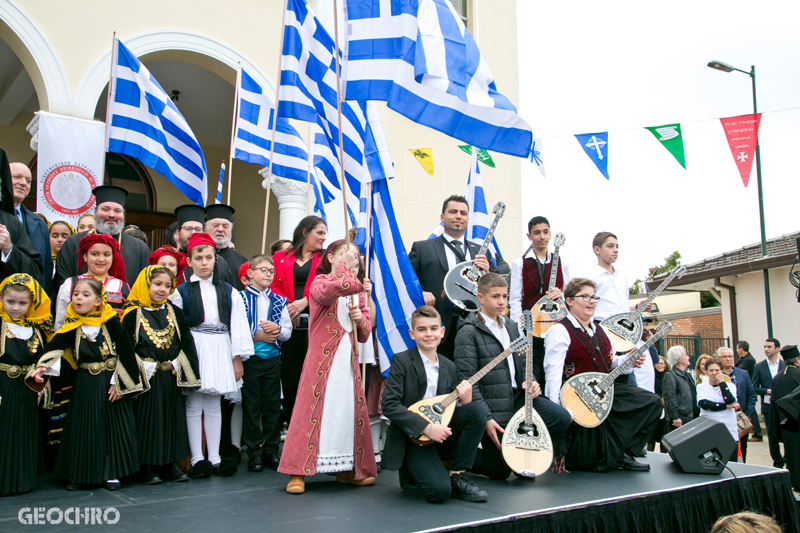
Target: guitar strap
(459, 253)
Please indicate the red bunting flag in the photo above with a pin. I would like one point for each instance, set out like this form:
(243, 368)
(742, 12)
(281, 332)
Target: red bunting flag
(742, 135)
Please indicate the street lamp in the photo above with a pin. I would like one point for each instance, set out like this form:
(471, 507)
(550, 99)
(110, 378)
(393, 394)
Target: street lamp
(724, 67)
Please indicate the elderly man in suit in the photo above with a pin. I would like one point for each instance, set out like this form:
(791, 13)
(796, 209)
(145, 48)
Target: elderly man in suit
(432, 259)
(745, 393)
(763, 374)
(35, 226)
(17, 253)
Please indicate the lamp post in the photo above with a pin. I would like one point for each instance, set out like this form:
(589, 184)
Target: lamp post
(724, 67)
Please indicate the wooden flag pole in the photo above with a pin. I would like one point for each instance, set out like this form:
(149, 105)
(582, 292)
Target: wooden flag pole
(274, 126)
(366, 271)
(233, 129)
(310, 164)
(108, 107)
(339, 118)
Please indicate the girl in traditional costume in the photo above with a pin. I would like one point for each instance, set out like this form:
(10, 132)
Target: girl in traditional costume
(24, 321)
(329, 431)
(100, 255)
(161, 335)
(99, 441)
(175, 261)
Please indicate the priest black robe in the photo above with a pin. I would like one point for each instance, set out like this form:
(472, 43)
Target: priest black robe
(134, 254)
(23, 259)
(234, 260)
(782, 386)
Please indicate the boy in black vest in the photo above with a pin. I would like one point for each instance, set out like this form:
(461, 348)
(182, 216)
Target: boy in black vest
(417, 374)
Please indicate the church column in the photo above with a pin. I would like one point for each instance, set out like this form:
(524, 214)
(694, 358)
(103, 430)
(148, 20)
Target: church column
(291, 195)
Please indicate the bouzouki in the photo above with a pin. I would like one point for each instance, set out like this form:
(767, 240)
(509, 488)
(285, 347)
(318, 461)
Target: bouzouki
(461, 283)
(439, 409)
(547, 313)
(625, 329)
(527, 446)
(590, 395)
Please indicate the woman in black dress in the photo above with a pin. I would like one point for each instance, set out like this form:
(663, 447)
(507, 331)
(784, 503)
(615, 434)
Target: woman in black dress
(95, 353)
(24, 321)
(164, 343)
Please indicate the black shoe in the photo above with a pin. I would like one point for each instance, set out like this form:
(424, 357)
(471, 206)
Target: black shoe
(113, 485)
(175, 473)
(256, 464)
(629, 463)
(272, 459)
(227, 467)
(231, 451)
(73, 486)
(152, 477)
(466, 490)
(201, 470)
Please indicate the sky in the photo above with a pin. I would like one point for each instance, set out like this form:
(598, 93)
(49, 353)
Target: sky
(619, 66)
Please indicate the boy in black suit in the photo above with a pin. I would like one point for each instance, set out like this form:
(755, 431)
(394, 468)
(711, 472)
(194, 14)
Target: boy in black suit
(417, 374)
(432, 259)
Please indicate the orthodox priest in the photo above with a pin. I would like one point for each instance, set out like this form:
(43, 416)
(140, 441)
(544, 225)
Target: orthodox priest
(109, 219)
(17, 253)
(785, 417)
(191, 219)
(219, 225)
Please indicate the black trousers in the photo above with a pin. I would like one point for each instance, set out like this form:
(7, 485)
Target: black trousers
(293, 355)
(757, 425)
(261, 405)
(489, 460)
(774, 445)
(424, 463)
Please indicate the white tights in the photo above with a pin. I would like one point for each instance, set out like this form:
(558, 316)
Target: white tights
(198, 404)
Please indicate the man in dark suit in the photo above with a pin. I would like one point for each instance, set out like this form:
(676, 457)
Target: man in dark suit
(17, 253)
(417, 374)
(745, 393)
(432, 259)
(35, 226)
(747, 362)
(763, 374)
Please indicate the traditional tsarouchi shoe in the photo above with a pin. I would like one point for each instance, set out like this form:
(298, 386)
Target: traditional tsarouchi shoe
(350, 477)
(296, 485)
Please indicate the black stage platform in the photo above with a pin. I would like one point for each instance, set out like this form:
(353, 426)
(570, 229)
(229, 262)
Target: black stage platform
(662, 500)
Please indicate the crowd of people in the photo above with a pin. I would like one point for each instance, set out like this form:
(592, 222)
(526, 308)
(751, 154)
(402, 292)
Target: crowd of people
(117, 360)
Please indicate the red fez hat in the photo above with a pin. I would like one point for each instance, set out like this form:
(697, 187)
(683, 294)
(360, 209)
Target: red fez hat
(198, 239)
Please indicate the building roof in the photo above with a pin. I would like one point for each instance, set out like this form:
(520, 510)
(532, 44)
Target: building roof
(781, 251)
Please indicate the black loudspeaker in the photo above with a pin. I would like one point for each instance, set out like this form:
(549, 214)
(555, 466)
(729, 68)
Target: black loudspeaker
(703, 446)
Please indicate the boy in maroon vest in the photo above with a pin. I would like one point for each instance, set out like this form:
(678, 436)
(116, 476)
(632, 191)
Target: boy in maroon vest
(530, 278)
(577, 345)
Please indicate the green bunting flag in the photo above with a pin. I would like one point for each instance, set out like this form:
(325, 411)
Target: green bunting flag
(483, 155)
(670, 137)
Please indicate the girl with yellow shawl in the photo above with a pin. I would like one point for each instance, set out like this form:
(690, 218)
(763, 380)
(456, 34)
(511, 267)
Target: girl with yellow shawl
(99, 443)
(163, 340)
(24, 322)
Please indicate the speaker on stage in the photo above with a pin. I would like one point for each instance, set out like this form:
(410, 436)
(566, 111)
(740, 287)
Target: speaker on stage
(703, 446)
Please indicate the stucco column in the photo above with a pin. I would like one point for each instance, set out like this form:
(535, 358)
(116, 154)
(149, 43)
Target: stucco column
(291, 195)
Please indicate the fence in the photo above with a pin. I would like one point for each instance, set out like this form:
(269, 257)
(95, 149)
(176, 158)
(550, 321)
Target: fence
(695, 345)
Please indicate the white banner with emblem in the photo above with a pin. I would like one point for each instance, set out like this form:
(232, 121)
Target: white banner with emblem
(69, 166)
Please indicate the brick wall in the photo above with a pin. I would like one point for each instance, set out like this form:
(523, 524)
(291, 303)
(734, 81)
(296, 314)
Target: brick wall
(690, 325)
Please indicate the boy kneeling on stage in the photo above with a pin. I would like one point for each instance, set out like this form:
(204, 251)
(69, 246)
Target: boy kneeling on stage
(417, 374)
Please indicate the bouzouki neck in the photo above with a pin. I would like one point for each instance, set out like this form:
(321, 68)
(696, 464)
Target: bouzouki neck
(453, 396)
(553, 269)
(529, 380)
(662, 330)
(499, 210)
(677, 272)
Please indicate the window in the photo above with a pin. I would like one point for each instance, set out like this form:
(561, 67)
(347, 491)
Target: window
(462, 9)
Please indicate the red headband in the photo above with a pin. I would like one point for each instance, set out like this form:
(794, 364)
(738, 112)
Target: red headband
(199, 239)
(117, 269)
(168, 250)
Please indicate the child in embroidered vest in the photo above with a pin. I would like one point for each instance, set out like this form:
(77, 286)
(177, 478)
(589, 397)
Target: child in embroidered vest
(100, 255)
(163, 341)
(99, 442)
(270, 325)
(219, 326)
(25, 313)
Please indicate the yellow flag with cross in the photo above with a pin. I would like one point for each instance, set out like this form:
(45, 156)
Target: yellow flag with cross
(425, 158)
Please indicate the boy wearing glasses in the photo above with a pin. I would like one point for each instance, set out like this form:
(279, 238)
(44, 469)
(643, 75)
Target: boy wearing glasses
(577, 345)
(270, 325)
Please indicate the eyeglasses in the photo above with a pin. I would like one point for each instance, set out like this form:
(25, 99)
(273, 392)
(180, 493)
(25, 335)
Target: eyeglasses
(587, 297)
(265, 270)
(192, 229)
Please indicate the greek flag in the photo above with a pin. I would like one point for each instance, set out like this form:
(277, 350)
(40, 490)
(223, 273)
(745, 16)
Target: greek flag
(479, 220)
(319, 202)
(421, 59)
(219, 184)
(146, 125)
(254, 133)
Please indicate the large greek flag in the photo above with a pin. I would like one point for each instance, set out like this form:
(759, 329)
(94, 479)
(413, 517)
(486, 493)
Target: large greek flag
(479, 219)
(146, 125)
(421, 59)
(253, 135)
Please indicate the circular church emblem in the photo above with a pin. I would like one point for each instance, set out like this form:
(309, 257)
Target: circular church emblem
(68, 189)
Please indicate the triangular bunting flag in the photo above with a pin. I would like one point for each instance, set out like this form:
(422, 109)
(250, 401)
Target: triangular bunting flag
(425, 158)
(536, 156)
(596, 147)
(483, 155)
(742, 135)
(670, 137)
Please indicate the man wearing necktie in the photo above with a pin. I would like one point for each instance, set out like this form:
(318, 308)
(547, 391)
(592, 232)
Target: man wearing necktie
(35, 227)
(432, 259)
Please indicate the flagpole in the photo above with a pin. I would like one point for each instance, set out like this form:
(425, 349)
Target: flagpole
(339, 118)
(108, 106)
(233, 129)
(274, 126)
(366, 270)
(308, 180)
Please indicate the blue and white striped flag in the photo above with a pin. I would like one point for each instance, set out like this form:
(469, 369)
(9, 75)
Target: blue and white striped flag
(319, 199)
(253, 135)
(146, 125)
(219, 184)
(421, 59)
(479, 220)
